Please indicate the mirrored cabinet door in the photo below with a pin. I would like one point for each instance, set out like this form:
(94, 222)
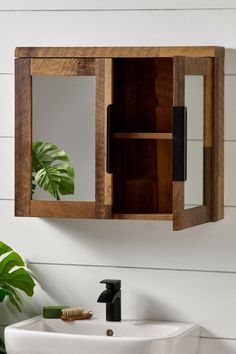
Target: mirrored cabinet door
(197, 179)
(60, 137)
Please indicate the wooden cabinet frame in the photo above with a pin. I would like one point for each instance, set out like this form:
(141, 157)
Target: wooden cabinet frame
(24, 70)
(56, 61)
(213, 141)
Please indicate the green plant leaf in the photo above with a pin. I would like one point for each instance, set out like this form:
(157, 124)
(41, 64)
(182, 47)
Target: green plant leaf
(2, 346)
(20, 279)
(13, 275)
(11, 260)
(47, 173)
(4, 248)
(3, 293)
(14, 301)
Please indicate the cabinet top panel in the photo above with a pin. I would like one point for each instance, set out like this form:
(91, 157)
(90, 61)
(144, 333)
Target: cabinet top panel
(118, 52)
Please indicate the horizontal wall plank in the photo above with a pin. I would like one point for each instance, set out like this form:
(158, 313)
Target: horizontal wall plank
(217, 346)
(160, 29)
(114, 4)
(6, 105)
(203, 298)
(121, 243)
(7, 168)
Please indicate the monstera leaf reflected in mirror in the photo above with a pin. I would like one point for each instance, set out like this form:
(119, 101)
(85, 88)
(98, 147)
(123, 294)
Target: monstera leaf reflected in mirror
(51, 170)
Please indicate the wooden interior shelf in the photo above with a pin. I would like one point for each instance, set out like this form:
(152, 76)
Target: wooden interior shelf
(158, 136)
(153, 216)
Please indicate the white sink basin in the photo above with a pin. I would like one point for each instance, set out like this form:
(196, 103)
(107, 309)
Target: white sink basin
(53, 336)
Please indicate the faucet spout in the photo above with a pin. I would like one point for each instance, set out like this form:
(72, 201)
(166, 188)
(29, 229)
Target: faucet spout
(106, 296)
(112, 298)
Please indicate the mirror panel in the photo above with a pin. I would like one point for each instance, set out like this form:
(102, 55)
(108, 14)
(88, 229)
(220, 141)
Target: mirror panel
(194, 101)
(63, 113)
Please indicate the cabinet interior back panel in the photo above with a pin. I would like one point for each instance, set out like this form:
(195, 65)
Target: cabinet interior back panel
(143, 99)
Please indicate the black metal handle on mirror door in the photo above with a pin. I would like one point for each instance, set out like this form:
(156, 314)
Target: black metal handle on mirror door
(179, 124)
(109, 138)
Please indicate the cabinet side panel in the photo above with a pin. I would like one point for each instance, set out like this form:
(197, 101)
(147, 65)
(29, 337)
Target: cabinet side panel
(22, 137)
(218, 141)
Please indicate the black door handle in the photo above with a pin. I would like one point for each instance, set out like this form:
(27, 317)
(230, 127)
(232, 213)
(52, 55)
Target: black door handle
(109, 138)
(179, 124)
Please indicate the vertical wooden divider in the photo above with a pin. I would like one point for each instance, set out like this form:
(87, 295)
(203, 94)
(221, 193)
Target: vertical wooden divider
(178, 100)
(208, 137)
(103, 73)
(23, 136)
(164, 97)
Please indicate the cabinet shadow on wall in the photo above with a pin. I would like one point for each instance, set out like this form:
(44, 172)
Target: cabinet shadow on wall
(230, 61)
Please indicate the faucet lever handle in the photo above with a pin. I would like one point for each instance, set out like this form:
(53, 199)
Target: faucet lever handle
(112, 284)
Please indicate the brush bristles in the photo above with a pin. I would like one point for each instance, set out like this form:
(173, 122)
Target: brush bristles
(72, 311)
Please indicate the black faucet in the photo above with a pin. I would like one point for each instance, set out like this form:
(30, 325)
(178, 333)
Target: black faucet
(112, 298)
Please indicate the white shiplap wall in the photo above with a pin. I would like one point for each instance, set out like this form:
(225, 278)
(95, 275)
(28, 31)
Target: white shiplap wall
(184, 276)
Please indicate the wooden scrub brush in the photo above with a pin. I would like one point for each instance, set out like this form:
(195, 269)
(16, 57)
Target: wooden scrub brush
(75, 313)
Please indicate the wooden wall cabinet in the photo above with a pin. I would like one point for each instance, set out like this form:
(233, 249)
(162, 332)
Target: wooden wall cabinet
(140, 131)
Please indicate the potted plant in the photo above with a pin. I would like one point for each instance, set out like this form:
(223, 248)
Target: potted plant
(13, 277)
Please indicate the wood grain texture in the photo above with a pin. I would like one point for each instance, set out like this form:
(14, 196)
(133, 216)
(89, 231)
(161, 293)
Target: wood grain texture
(194, 216)
(62, 209)
(124, 216)
(135, 165)
(159, 136)
(208, 196)
(208, 104)
(178, 205)
(147, 190)
(196, 66)
(164, 103)
(103, 74)
(203, 67)
(23, 137)
(218, 140)
(108, 97)
(178, 100)
(184, 218)
(62, 67)
(116, 52)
